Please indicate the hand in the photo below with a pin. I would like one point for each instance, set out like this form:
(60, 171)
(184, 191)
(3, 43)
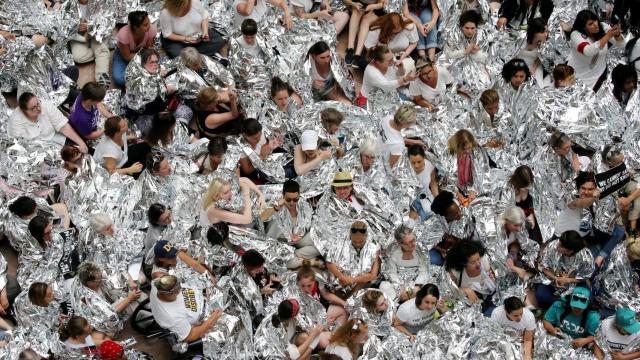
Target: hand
(475, 48)
(422, 29)
(557, 332)
(232, 96)
(429, 26)
(215, 315)
(325, 154)
(575, 163)
(212, 278)
(82, 27)
(38, 39)
(296, 237)
(501, 23)
(624, 202)
(356, 6)
(191, 40)
(288, 22)
(83, 148)
(280, 203)
(205, 34)
(370, 7)
(404, 296)
(616, 355)
(613, 31)
(473, 297)
(472, 195)
(135, 168)
(345, 280)
(412, 337)
(442, 306)
(318, 84)
(7, 35)
(134, 295)
(410, 76)
(596, 193)
(572, 205)
(316, 330)
(261, 202)
(265, 150)
(578, 343)
(324, 14)
(275, 142)
(267, 290)
(510, 263)
(532, 221)
(599, 261)
(562, 281)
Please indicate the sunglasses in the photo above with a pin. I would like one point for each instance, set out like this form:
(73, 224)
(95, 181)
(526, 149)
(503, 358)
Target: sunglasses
(357, 230)
(580, 299)
(292, 200)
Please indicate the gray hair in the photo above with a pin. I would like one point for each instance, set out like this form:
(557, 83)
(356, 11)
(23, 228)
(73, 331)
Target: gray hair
(99, 221)
(190, 56)
(87, 272)
(401, 232)
(369, 146)
(512, 215)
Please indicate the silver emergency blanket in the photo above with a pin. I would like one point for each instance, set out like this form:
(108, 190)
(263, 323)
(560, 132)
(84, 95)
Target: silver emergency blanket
(31, 166)
(271, 342)
(311, 310)
(272, 166)
(579, 266)
(303, 221)
(406, 278)
(230, 338)
(42, 322)
(142, 86)
(349, 261)
(547, 346)
(189, 82)
(94, 307)
(3, 272)
(380, 325)
(617, 281)
(47, 264)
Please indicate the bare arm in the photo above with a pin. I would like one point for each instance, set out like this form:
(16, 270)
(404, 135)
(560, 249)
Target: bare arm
(528, 344)
(333, 269)
(72, 135)
(331, 297)
(125, 53)
(246, 8)
(231, 217)
(433, 184)
(371, 275)
(95, 134)
(198, 331)
(191, 262)
(398, 324)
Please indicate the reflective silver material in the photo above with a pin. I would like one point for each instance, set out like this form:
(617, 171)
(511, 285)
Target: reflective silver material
(94, 307)
(142, 86)
(380, 325)
(617, 281)
(579, 266)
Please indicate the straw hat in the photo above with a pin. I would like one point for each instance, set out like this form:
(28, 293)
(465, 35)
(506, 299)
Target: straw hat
(341, 179)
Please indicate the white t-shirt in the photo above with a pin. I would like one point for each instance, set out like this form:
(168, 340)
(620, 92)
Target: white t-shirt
(425, 176)
(47, 127)
(635, 53)
(305, 4)
(615, 340)
(482, 283)
(253, 50)
(339, 350)
(258, 12)
(417, 87)
(187, 25)
(587, 58)
(373, 78)
(528, 321)
(399, 43)
(180, 315)
(413, 318)
(107, 148)
(568, 219)
(391, 138)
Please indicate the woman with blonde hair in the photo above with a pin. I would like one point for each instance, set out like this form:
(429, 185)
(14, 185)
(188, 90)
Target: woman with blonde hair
(348, 338)
(220, 190)
(463, 146)
(213, 116)
(185, 23)
(392, 139)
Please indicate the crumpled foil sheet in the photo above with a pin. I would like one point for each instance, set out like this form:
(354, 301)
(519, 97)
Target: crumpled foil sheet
(40, 322)
(189, 83)
(351, 263)
(380, 325)
(95, 308)
(616, 282)
(581, 266)
(230, 338)
(546, 346)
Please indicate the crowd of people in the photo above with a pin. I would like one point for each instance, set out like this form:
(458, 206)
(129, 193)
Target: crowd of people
(462, 183)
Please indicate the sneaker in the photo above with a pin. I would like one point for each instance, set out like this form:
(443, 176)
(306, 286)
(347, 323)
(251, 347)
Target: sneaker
(104, 80)
(356, 62)
(349, 57)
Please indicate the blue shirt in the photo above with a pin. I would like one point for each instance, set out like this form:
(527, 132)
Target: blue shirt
(572, 323)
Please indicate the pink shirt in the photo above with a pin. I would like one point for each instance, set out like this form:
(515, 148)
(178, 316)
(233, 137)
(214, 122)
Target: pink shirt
(125, 36)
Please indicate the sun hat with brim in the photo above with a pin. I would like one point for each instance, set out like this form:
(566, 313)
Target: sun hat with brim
(626, 319)
(580, 298)
(341, 179)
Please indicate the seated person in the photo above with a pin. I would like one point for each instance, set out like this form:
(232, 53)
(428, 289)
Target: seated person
(430, 86)
(186, 24)
(308, 155)
(415, 314)
(629, 195)
(392, 139)
(256, 10)
(426, 174)
(347, 340)
(137, 34)
(210, 161)
(471, 271)
(325, 86)
(304, 9)
(179, 308)
(166, 257)
(617, 332)
(212, 114)
(41, 120)
(383, 72)
(79, 334)
(571, 316)
(407, 269)
(299, 344)
(256, 139)
(253, 263)
(89, 275)
(86, 111)
(331, 119)
(247, 41)
(512, 314)
(448, 208)
(284, 96)
(112, 150)
(292, 222)
(307, 284)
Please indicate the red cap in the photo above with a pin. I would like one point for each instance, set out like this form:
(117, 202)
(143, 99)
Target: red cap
(110, 350)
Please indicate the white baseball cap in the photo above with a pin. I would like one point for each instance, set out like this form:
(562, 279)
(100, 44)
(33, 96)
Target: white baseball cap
(309, 140)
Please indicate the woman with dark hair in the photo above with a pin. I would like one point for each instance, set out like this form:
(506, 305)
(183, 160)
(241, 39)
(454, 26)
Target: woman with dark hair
(383, 72)
(514, 315)
(40, 228)
(425, 15)
(79, 334)
(537, 34)
(185, 23)
(429, 88)
(324, 85)
(573, 316)
(212, 114)
(564, 261)
(284, 96)
(515, 73)
(398, 34)
(300, 344)
(210, 161)
(111, 151)
(625, 82)
(414, 314)
(138, 34)
(159, 217)
(471, 271)
(518, 14)
(563, 76)
(521, 182)
(589, 47)
(468, 25)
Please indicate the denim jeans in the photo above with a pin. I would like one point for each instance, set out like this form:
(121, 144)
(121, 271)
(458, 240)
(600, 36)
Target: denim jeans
(431, 40)
(435, 257)
(607, 241)
(119, 68)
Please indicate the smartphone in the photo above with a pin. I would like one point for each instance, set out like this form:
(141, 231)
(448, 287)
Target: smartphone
(276, 285)
(56, 221)
(128, 342)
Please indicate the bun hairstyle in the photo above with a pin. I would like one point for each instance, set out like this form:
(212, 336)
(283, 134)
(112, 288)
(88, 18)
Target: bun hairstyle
(73, 328)
(287, 310)
(305, 272)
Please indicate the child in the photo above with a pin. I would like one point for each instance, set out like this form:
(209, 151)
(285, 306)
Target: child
(247, 41)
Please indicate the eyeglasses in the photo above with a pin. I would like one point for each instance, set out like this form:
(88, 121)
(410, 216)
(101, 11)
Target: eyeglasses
(292, 200)
(358, 230)
(36, 106)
